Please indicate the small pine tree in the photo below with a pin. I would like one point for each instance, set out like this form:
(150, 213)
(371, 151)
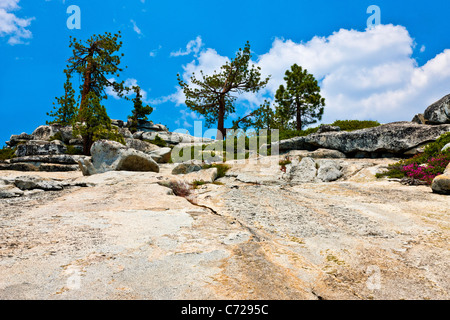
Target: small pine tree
(66, 113)
(94, 123)
(139, 112)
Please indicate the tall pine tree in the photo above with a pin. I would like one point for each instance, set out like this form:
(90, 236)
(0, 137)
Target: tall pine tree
(96, 61)
(300, 99)
(213, 96)
(139, 112)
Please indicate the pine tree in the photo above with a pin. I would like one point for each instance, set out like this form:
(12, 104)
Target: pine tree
(213, 95)
(300, 99)
(139, 112)
(95, 61)
(66, 113)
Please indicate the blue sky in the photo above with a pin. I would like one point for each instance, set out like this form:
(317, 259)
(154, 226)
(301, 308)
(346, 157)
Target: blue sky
(388, 73)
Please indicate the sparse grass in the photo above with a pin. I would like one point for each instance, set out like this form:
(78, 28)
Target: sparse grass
(198, 183)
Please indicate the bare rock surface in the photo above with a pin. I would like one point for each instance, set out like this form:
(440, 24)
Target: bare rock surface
(128, 237)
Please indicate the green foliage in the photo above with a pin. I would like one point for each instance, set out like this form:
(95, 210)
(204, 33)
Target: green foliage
(67, 111)
(96, 60)
(352, 125)
(139, 112)
(433, 161)
(7, 153)
(435, 148)
(299, 100)
(96, 124)
(213, 96)
(158, 141)
(72, 150)
(56, 136)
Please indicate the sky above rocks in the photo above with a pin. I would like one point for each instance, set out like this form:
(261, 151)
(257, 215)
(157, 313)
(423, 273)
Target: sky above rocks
(387, 72)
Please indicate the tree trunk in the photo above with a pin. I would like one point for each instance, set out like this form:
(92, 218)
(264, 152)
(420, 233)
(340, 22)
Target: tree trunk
(299, 118)
(220, 122)
(87, 77)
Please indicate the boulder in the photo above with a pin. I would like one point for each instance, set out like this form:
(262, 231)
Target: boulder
(161, 155)
(206, 175)
(40, 147)
(310, 170)
(45, 132)
(441, 184)
(14, 140)
(9, 191)
(305, 171)
(113, 156)
(439, 112)
(446, 147)
(329, 170)
(392, 138)
(18, 167)
(187, 167)
(140, 145)
(31, 183)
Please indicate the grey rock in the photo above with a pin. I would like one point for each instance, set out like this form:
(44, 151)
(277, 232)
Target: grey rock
(30, 183)
(40, 147)
(14, 140)
(18, 167)
(441, 184)
(328, 128)
(161, 155)
(419, 119)
(329, 170)
(9, 191)
(140, 145)
(439, 112)
(187, 167)
(45, 132)
(394, 138)
(305, 171)
(57, 159)
(296, 143)
(113, 156)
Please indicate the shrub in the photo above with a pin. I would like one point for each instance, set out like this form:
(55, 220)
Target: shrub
(352, 125)
(417, 168)
(72, 150)
(158, 141)
(56, 136)
(7, 153)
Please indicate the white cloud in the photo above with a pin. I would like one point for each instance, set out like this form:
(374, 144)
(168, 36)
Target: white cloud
(363, 75)
(193, 46)
(12, 26)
